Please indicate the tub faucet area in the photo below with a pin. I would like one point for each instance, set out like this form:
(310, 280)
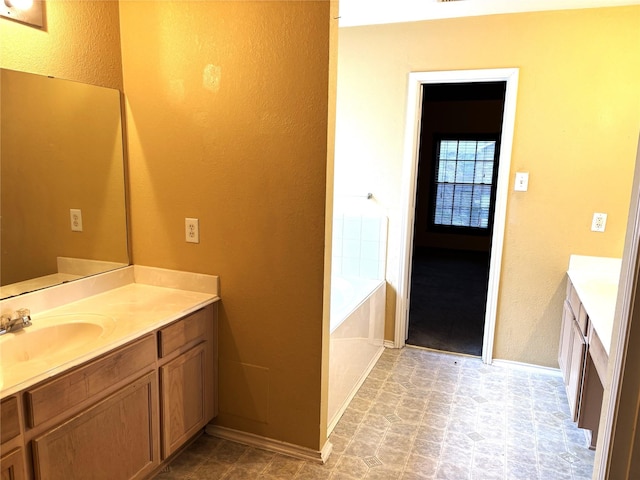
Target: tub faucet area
(17, 321)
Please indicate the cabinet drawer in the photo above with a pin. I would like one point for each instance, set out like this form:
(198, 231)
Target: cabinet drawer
(577, 308)
(183, 332)
(583, 320)
(574, 300)
(67, 391)
(9, 419)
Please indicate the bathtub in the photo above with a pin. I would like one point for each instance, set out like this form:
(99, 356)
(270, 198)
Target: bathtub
(357, 338)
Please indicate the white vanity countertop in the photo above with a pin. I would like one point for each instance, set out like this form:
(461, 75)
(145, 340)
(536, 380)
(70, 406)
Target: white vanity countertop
(141, 301)
(596, 281)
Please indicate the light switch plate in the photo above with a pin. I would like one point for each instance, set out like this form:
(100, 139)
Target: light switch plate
(522, 182)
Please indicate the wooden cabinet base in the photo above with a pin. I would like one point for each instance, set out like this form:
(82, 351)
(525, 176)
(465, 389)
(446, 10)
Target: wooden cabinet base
(183, 398)
(117, 438)
(583, 362)
(119, 416)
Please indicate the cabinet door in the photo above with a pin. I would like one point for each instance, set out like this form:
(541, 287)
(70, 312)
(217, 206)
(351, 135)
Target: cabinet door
(184, 398)
(578, 351)
(590, 401)
(12, 466)
(113, 440)
(564, 352)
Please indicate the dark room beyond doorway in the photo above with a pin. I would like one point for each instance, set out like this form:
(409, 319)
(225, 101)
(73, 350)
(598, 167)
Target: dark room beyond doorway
(460, 130)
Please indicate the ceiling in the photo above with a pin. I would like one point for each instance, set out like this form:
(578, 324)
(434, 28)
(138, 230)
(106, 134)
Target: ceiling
(373, 12)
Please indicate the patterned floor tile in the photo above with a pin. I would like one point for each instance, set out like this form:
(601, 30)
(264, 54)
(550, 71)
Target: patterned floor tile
(425, 415)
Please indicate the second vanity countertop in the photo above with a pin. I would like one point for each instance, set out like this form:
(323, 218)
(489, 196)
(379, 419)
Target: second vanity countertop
(131, 302)
(596, 282)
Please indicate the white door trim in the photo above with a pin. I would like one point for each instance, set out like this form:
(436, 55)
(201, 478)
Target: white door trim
(615, 441)
(409, 180)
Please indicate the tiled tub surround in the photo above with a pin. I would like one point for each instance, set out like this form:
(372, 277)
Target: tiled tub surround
(357, 304)
(359, 246)
(357, 338)
(425, 415)
(136, 300)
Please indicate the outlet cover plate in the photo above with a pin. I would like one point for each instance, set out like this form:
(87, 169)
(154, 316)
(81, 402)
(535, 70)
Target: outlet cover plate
(192, 230)
(76, 219)
(599, 222)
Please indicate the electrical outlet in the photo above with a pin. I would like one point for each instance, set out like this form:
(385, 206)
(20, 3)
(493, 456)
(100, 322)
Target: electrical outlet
(192, 230)
(76, 219)
(599, 222)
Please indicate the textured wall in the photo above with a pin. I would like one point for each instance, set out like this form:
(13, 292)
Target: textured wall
(80, 41)
(227, 111)
(576, 132)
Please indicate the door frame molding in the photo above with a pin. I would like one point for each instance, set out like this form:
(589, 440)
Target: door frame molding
(409, 186)
(615, 450)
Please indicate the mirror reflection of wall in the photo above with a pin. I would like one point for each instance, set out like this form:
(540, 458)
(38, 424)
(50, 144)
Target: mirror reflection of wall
(61, 148)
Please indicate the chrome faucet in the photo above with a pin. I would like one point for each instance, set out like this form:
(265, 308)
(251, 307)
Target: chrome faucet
(17, 321)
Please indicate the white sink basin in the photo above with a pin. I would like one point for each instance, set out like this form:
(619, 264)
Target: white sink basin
(53, 337)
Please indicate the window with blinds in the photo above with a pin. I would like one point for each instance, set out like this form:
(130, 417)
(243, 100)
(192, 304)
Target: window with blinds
(464, 176)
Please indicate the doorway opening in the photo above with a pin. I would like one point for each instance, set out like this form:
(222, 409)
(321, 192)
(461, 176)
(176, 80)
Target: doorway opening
(417, 80)
(459, 144)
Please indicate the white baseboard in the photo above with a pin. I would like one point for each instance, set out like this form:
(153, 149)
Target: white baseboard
(527, 366)
(389, 344)
(257, 441)
(336, 418)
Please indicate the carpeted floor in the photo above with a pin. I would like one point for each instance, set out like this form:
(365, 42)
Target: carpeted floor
(448, 300)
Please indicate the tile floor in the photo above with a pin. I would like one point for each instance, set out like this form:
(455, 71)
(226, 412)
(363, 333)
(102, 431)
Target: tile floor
(426, 415)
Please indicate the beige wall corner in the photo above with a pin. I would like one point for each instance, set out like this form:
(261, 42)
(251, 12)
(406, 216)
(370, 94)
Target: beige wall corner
(331, 128)
(227, 113)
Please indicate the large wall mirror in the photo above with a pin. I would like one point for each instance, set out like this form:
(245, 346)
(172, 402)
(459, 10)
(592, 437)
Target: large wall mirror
(61, 151)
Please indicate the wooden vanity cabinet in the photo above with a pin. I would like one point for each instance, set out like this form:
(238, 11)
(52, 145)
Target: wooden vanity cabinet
(572, 350)
(99, 420)
(582, 360)
(119, 416)
(188, 370)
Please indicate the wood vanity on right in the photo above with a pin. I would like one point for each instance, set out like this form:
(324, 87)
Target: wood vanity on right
(585, 336)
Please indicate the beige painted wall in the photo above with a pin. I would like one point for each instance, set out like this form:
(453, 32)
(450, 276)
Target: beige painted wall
(251, 151)
(80, 41)
(227, 108)
(576, 131)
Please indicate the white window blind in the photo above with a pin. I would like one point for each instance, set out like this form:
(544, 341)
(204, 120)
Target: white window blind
(463, 181)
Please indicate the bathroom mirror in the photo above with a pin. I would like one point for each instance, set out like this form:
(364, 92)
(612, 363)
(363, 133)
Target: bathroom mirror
(62, 183)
